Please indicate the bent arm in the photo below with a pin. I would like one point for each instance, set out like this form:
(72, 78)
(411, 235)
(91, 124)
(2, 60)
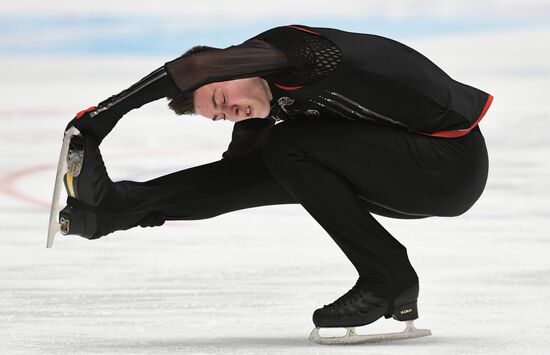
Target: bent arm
(251, 58)
(184, 74)
(98, 121)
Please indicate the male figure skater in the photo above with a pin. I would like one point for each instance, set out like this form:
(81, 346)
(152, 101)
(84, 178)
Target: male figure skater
(345, 124)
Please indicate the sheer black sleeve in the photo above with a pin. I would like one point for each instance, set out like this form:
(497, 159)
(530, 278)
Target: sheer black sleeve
(251, 58)
(184, 74)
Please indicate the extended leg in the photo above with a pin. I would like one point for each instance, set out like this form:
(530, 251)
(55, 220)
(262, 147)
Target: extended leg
(196, 193)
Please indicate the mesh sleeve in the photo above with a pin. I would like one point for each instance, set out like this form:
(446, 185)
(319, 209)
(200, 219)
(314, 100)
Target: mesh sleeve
(311, 56)
(285, 55)
(251, 58)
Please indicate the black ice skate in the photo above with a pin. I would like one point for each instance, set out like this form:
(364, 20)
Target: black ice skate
(83, 173)
(360, 307)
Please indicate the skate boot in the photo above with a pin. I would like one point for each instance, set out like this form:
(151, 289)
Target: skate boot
(86, 182)
(359, 307)
(96, 206)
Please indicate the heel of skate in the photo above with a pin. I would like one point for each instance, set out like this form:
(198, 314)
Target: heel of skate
(76, 221)
(406, 312)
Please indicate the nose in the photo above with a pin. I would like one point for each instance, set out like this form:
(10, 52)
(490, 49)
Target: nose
(235, 111)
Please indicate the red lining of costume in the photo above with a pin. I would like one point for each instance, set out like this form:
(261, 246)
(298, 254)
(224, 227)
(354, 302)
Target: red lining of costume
(288, 88)
(303, 29)
(462, 132)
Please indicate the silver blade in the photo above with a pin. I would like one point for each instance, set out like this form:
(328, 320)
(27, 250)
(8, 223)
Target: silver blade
(353, 338)
(61, 170)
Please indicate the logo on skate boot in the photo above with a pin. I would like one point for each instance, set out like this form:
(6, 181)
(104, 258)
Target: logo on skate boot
(405, 311)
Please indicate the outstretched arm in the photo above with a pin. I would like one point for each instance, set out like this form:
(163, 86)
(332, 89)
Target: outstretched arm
(184, 74)
(98, 121)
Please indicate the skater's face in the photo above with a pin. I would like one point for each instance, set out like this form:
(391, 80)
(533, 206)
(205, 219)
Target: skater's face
(234, 100)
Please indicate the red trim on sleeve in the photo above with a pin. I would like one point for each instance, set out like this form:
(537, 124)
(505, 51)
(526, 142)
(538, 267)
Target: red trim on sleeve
(303, 29)
(288, 88)
(462, 132)
(81, 113)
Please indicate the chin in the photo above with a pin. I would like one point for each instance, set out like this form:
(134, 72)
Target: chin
(263, 113)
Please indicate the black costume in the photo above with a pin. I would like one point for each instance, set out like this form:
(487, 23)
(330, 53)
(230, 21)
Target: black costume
(368, 126)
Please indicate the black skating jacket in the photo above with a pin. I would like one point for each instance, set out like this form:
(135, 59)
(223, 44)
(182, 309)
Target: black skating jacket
(317, 72)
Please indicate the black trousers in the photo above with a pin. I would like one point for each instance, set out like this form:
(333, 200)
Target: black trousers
(340, 171)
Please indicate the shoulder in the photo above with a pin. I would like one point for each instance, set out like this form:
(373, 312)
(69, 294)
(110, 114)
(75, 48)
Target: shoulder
(293, 38)
(288, 30)
(310, 55)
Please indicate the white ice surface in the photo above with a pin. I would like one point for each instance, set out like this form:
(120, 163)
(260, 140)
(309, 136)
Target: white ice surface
(248, 282)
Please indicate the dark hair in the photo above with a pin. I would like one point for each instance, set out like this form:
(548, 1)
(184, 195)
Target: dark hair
(182, 103)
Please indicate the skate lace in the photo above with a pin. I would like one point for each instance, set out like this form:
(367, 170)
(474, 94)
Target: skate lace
(353, 296)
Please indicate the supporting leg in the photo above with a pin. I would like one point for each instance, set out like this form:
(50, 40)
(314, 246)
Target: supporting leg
(320, 175)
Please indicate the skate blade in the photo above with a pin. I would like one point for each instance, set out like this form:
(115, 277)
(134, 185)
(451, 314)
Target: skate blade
(353, 338)
(54, 225)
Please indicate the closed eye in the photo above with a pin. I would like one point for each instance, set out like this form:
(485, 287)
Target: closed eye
(215, 104)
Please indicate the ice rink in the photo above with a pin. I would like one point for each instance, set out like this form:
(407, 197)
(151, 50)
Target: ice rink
(247, 282)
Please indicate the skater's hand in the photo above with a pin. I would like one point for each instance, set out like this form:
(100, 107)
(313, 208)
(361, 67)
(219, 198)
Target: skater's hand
(94, 123)
(86, 111)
